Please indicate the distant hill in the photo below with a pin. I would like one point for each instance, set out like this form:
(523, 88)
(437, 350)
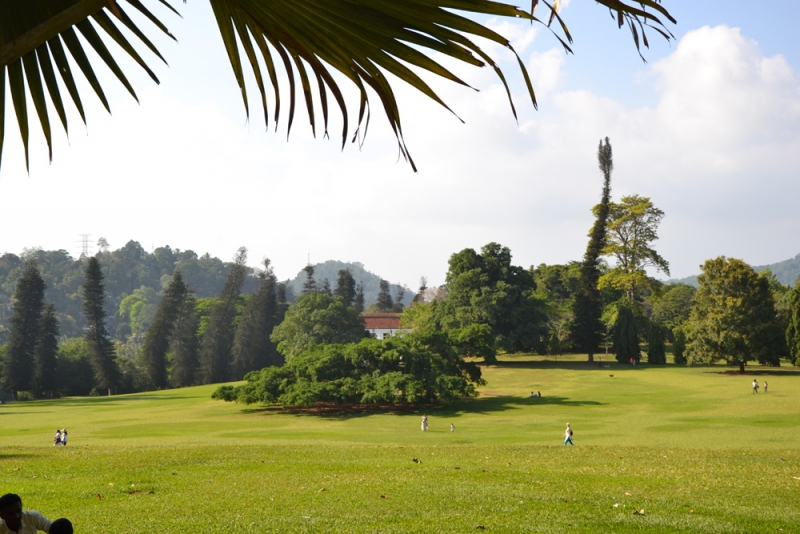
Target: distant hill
(330, 270)
(787, 272)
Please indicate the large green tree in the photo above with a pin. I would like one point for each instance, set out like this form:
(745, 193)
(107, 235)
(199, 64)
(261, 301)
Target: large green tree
(793, 329)
(734, 317)
(487, 289)
(626, 335)
(184, 347)
(19, 368)
(632, 228)
(385, 302)
(157, 340)
(317, 319)
(360, 39)
(345, 286)
(587, 306)
(215, 354)
(252, 347)
(46, 378)
(101, 348)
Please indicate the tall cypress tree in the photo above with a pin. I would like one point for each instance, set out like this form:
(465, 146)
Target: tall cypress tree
(346, 286)
(656, 352)
(252, 347)
(326, 288)
(101, 349)
(157, 340)
(626, 339)
(385, 302)
(185, 363)
(310, 285)
(283, 303)
(215, 354)
(46, 380)
(18, 371)
(358, 300)
(587, 327)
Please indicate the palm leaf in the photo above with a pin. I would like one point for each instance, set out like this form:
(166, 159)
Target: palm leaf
(362, 40)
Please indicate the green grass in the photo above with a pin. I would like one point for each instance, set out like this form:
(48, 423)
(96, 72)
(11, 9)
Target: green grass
(693, 447)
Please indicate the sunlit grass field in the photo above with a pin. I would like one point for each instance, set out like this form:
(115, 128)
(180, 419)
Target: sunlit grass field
(691, 447)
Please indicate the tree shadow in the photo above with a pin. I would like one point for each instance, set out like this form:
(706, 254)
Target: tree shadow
(610, 365)
(480, 405)
(757, 372)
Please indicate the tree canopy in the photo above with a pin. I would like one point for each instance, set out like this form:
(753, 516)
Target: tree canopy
(361, 39)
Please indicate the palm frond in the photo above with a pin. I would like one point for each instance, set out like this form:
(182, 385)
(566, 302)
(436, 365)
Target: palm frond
(360, 39)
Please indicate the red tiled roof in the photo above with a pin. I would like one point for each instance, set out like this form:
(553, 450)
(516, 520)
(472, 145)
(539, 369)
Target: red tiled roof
(374, 321)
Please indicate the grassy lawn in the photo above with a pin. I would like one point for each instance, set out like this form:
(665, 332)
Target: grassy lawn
(692, 447)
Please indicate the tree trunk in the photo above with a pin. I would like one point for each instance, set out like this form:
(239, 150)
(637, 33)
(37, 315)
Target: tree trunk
(741, 367)
(591, 357)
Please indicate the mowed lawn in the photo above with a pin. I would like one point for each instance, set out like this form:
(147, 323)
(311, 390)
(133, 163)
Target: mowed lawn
(691, 447)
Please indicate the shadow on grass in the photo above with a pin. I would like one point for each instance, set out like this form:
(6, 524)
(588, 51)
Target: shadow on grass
(611, 365)
(758, 372)
(476, 405)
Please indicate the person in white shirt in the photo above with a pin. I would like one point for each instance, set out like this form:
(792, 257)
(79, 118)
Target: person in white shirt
(755, 386)
(64, 437)
(18, 521)
(568, 436)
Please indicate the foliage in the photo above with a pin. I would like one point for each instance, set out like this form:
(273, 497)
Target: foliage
(137, 311)
(673, 306)
(734, 317)
(157, 341)
(656, 351)
(557, 285)
(632, 227)
(410, 369)
(184, 358)
(793, 328)
(385, 302)
(101, 349)
(217, 341)
(361, 40)
(252, 347)
(626, 337)
(75, 371)
(587, 306)
(310, 285)
(359, 300)
(19, 367)
(486, 289)
(317, 319)
(46, 378)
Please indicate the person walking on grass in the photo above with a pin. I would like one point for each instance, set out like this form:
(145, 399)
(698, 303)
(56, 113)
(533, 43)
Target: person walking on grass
(755, 386)
(765, 386)
(568, 436)
(424, 425)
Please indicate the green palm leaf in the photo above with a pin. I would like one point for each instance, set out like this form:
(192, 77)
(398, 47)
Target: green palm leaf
(360, 39)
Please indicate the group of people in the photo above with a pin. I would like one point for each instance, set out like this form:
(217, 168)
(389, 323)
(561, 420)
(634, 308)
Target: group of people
(19, 521)
(424, 425)
(755, 386)
(61, 438)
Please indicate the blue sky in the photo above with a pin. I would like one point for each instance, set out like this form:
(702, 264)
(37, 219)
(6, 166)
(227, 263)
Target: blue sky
(709, 128)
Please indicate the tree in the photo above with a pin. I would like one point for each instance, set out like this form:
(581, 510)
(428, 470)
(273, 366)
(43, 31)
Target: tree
(414, 369)
(385, 302)
(398, 299)
(673, 306)
(626, 337)
(345, 286)
(363, 40)
(632, 227)
(358, 301)
(184, 346)
(487, 289)
(252, 347)
(215, 354)
(423, 287)
(46, 378)
(310, 285)
(101, 349)
(325, 289)
(734, 317)
(28, 303)
(317, 319)
(656, 352)
(587, 308)
(157, 340)
(793, 328)
(679, 347)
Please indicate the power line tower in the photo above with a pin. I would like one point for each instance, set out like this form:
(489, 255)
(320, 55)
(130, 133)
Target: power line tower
(85, 244)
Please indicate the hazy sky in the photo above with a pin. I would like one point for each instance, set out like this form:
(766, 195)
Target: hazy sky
(709, 128)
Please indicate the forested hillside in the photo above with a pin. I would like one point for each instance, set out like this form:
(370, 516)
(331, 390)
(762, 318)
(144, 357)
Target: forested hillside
(130, 272)
(786, 272)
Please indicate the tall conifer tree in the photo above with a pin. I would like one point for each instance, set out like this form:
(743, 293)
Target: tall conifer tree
(18, 371)
(310, 285)
(358, 301)
(626, 338)
(326, 288)
(252, 347)
(587, 330)
(346, 286)
(385, 302)
(46, 380)
(185, 363)
(157, 340)
(656, 352)
(101, 349)
(215, 355)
